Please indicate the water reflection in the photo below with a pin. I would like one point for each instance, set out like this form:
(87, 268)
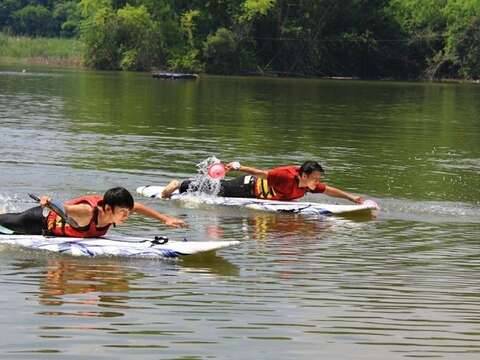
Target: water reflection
(263, 225)
(209, 263)
(66, 276)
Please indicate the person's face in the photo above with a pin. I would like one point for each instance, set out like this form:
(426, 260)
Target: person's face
(311, 181)
(119, 215)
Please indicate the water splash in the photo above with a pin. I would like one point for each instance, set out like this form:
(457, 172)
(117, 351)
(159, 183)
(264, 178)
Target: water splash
(202, 183)
(446, 212)
(9, 204)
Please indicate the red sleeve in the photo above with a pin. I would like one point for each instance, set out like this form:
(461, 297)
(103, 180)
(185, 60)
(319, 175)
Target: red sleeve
(320, 188)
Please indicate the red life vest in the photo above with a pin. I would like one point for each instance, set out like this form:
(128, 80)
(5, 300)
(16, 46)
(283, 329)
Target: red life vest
(56, 225)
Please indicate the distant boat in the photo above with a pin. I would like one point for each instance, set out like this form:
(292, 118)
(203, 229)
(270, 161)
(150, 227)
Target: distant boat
(174, 76)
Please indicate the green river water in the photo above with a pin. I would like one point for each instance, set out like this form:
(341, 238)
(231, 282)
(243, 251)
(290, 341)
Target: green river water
(403, 285)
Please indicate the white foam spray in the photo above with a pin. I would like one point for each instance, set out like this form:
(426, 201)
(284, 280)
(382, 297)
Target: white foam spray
(202, 183)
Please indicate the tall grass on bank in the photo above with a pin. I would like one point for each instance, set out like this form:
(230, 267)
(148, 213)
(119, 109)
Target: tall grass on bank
(57, 51)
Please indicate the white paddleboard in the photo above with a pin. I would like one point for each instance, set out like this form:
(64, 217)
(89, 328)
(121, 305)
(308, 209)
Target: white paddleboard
(297, 207)
(115, 245)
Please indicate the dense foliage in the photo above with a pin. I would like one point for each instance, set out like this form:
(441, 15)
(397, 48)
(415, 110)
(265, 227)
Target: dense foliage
(359, 38)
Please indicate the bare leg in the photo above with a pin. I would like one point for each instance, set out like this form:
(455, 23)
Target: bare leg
(170, 188)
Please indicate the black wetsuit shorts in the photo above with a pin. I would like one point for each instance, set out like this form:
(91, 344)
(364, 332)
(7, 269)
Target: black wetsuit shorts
(241, 186)
(29, 222)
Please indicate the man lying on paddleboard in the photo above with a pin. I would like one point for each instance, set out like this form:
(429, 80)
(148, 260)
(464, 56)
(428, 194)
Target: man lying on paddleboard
(86, 216)
(282, 183)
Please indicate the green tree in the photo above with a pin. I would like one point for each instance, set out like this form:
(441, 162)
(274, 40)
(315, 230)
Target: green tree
(33, 20)
(100, 33)
(186, 58)
(139, 38)
(219, 51)
(441, 35)
(254, 9)
(126, 38)
(462, 49)
(7, 7)
(90, 7)
(365, 38)
(68, 15)
(466, 50)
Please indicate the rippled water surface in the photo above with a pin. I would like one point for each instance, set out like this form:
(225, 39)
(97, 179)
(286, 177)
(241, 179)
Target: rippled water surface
(403, 285)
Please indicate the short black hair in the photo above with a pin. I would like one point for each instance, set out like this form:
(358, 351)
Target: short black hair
(310, 166)
(118, 197)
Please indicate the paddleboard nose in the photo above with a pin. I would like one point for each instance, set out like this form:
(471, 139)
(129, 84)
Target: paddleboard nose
(372, 204)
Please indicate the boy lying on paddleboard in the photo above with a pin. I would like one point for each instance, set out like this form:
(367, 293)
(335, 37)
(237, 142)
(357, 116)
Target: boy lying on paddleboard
(282, 183)
(86, 216)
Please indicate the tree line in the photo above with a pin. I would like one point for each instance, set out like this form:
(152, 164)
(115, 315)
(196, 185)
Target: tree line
(347, 38)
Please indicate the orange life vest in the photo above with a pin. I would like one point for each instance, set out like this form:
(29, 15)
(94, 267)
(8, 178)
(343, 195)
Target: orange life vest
(56, 225)
(263, 190)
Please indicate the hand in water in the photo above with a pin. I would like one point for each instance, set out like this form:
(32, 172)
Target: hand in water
(174, 222)
(357, 199)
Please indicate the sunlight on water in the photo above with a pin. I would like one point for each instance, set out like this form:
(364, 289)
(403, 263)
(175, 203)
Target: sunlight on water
(403, 285)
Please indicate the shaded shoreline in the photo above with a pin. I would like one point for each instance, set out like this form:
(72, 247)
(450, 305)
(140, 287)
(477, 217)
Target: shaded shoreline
(78, 62)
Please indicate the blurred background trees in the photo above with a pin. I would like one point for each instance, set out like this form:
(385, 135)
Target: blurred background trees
(351, 38)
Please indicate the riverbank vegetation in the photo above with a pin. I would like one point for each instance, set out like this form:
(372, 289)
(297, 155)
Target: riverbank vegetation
(349, 38)
(58, 51)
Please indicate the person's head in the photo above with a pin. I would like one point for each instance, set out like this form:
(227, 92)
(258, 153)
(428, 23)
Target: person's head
(118, 202)
(310, 174)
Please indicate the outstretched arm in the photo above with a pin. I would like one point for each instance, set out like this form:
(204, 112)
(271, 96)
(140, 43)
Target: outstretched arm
(331, 191)
(168, 220)
(235, 165)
